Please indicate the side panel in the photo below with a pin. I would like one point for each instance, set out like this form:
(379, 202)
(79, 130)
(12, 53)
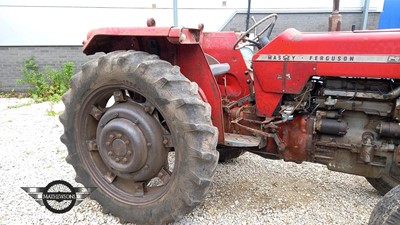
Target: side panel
(288, 62)
(219, 45)
(194, 66)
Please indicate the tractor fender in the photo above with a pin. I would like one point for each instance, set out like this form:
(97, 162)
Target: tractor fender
(110, 39)
(179, 46)
(194, 66)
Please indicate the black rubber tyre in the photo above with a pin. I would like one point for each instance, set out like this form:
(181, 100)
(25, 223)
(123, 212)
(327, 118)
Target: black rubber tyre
(155, 101)
(229, 153)
(384, 184)
(387, 210)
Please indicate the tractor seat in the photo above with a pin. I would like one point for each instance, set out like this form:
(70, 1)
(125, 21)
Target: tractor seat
(219, 69)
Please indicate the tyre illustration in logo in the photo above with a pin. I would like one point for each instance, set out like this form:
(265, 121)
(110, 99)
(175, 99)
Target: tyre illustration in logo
(59, 196)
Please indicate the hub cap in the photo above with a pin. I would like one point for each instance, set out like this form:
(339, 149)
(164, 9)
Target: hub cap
(130, 142)
(123, 146)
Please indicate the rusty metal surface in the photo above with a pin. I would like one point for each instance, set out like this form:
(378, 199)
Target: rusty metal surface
(237, 140)
(397, 155)
(388, 129)
(288, 140)
(335, 19)
(295, 135)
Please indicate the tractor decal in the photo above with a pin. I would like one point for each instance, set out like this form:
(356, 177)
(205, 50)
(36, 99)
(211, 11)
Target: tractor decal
(330, 58)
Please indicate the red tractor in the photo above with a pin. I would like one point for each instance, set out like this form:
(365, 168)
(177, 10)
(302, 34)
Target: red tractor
(145, 122)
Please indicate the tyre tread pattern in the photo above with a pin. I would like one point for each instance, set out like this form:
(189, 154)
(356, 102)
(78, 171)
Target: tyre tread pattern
(387, 210)
(175, 93)
(381, 184)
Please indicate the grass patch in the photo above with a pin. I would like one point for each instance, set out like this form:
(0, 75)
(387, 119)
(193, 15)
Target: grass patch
(13, 94)
(20, 105)
(52, 112)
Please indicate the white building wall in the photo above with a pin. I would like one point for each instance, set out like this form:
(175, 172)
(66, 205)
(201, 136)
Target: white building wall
(50, 22)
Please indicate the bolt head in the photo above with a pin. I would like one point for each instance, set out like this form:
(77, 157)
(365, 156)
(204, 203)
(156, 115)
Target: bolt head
(110, 153)
(129, 153)
(117, 159)
(119, 135)
(124, 160)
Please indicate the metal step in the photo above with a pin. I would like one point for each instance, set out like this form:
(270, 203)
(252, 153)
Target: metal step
(237, 140)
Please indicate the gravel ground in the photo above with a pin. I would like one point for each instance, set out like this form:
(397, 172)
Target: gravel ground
(248, 190)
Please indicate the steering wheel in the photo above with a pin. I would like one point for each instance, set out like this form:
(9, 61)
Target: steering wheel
(255, 41)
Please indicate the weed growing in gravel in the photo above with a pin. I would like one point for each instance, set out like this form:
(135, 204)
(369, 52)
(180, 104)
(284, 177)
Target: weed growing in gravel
(47, 85)
(28, 152)
(20, 105)
(51, 111)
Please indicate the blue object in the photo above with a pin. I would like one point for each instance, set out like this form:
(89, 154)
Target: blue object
(390, 17)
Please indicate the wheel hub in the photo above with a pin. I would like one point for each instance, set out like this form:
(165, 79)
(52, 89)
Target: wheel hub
(123, 146)
(119, 147)
(130, 142)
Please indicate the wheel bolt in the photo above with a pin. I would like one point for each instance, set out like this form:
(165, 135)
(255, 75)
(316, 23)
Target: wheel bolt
(119, 135)
(117, 159)
(148, 144)
(110, 153)
(127, 142)
(108, 143)
(124, 160)
(111, 136)
(129, 152)
(165, 141)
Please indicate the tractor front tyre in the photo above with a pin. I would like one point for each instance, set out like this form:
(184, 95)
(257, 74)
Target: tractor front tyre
(137, 130)
(228, 153)
(384, 184)
(387, 210)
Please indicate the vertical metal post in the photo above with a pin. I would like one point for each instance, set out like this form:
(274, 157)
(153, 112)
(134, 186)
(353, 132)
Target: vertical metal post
(248, 14)
(335, 19)
(365, 14)
(175, 6)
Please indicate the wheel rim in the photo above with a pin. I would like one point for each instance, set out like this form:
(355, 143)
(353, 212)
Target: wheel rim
(124, 145)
